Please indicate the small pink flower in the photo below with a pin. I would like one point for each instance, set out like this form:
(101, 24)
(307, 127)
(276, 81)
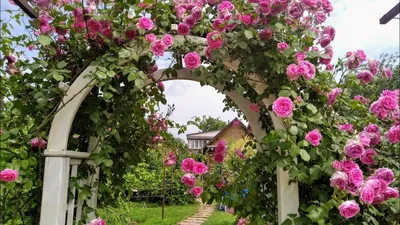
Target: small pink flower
(192, 60)
(340, 180)
(346, 127)
(393, 135)
(220, 184)
(190, 21)
(330, 31)
(265, 34)
(295, 10)
(8, 175)
(364, 138)
(291, 71)
(283, 107)
(367, 157)
(348, 165)
(282, 46)
(187, 165)
(145, 23)
(189, 179)
(219, 158)
(310, 70)
(300, 56)
(98, 221)
(170, 160)
(221, 147)
(337, 165)
(349, 209)
(299, 99)
(389, 103)
(214, 40)
(354, 149)
(168, 40)
(387, 73)
(226, 5)
(391, 193)
(240, 154)
(242, 221)
(158, 48)
(94, 26)
(332, 95)
(384, 174)
(161, 85)
(200, 168)
(314, 137)
(362, 99)
(236, 123)
(150, 37)
(325, 40)
(183, 29)
(320, 17)
(254, 107)
(196, 191)
(373, 66)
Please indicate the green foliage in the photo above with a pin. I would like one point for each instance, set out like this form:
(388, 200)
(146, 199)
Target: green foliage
(207, 123)
(220, 218)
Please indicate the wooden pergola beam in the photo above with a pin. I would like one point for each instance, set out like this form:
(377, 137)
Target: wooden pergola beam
(27, 8)
(390, 15)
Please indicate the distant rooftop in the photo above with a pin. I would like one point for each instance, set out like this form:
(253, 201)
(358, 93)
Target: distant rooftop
(203, 135)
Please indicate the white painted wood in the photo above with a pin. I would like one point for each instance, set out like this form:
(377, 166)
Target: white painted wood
(67, 154)
(55, 191)
(71, 203)
(75, 162)
(93, 179)
(78, 215)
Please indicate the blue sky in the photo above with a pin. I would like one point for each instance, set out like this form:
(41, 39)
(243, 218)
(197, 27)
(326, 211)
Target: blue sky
(357, 27)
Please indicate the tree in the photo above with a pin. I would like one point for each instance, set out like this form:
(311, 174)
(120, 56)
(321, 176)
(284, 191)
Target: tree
(208, 123)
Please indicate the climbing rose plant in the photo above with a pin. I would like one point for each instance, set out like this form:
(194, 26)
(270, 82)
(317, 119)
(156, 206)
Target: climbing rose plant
(342, 166)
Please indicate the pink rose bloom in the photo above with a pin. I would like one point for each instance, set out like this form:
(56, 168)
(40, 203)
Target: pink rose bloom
(373, 66)
(330, 31)
(130, 34)
(145, 23)
(8, 175)
(42, 144)
(337, 165)
(188, 179)
(354, 149)
(35, 142)
(379, 198)
(364, 138)
(196, 191)
(389, 103)
(370, 190)
(367, 157)
(393, 134)
(362, 99)
(254, 107)
(299, 99)
(187, 165)
(349, 209)
(356, 177)
(220, 184)
(391, 193)
(150, 37)
(295, 10)
(300, 56)
(387, 73)
(192, 60)
(219, 158)
(265, 34)
(320, 17)
(1, 131)
(346, 127)
(242, 221)
(183, 29)
(221, 147)
(94, 26)
(325, 40)
(301, 70)
(226, 5)
(98, 221)
(158, 138)
(384, 174)
(332, 95)
(168, 40)
(218, 25)
(161, 85)
(352, 62)
(170, 159)
(375, 138)
(10, 58)
(365, 76)
(239, 153)
(196, 13)
(246, 19)
(393, 94)
(340, 180)
(158, 48)
(310, 72)
(376, 107)
(214, 40)
(314, 137)
(361, 55)
(282, 46)
(349, 165)
(283, 107)
(200, 168)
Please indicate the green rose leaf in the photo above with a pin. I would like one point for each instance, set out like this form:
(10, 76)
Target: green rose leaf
(312, 108)
(248, 34)
(44, 40)
(304, 155)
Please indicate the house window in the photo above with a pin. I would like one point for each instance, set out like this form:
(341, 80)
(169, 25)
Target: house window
(191, 144)
(196, 144)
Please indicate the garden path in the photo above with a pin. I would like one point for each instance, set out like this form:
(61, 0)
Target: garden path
(200, 216)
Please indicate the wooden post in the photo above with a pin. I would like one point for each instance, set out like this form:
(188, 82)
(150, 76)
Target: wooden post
(163, 199)
(27, 8)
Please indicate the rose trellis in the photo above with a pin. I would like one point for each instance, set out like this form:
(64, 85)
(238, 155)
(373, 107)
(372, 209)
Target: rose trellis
(264, 55)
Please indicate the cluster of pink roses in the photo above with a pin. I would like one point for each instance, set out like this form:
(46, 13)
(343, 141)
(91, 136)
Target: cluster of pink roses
(189, 12)
(38, 143)
(304, 69)
(8, 175)
(170, 159)
(190, 166)
(242, 221)
(11, 68)
(157, 124)
(98, 221)
(214, 41)
(387, 105)
(158, 46)
(220, 151)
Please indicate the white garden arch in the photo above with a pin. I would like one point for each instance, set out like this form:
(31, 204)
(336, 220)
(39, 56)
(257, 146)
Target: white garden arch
(61, 164)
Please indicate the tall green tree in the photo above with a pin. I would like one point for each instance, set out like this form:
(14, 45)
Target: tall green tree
(207, 123)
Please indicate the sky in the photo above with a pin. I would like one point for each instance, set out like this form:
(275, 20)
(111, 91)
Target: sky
(357, 27)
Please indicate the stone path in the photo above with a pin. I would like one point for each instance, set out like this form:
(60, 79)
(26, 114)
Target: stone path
(200, 216)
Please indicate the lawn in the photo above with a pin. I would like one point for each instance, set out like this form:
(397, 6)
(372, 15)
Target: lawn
(131, 213)
(220, 218)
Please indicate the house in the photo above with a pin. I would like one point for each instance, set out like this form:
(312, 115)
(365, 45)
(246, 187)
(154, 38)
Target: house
(205, 142)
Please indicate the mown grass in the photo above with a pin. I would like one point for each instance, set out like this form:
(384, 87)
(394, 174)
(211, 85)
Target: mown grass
(130, 213)
(220, 218)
